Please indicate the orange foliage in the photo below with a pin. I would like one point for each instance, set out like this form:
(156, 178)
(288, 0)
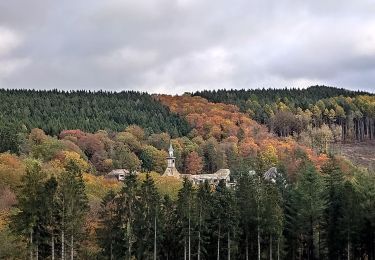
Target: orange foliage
(223, 122)
(62, 158)
(11, 170)
(194, 163)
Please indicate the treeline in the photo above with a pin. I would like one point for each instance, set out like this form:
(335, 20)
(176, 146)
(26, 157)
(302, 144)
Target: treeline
(302, 98)
(55, 110)
(350, 115)
(323, 214)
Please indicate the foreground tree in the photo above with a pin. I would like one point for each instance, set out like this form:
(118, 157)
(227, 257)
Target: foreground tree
(309, 202)
(73, 206)
(29, 204)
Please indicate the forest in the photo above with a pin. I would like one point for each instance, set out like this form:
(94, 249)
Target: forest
(54, 111)
(348, 115)
(55, 202)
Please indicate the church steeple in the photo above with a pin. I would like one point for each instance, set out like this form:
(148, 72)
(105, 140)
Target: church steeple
(170, 150)
(171, 164)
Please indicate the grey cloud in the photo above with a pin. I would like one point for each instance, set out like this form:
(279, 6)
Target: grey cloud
(176, 46)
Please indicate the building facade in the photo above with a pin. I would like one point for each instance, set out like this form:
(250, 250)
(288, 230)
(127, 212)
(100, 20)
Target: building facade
(213, 178)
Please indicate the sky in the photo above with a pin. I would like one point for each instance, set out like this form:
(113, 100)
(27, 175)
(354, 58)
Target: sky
(177, 46)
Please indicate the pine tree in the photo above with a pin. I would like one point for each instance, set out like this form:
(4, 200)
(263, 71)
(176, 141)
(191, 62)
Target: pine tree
(204, 212)
(334, 190)
(309, 203)
(107, 232)
(169, 248)
(73, 206)
(186, 215)
(146, 221)
(247, 206)
(225, 218)
(127, 203)
(50, 215)
(27, 220)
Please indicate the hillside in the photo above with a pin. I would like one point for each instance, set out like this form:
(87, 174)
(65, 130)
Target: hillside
(54, 190)
(343, 115)
(239, 136)
(54, 111)
(302, 98)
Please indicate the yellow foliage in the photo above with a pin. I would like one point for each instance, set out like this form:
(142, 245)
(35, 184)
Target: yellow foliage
(11, 170)
(97, 186)
(165, 185)
(65, 156)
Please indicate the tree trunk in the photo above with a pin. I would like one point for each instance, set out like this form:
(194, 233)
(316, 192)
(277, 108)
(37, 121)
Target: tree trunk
(270, 247)
(247, 247)
(258, 242)
(31, 245)
(111, 251)
(185, 248)
(218, 245)
(189, 257)
(53, 248)
(71, 247)
(258, 217)
(62, 232)
(228, 245)
(129, 240)
(62, 244)
(199, 234)
(319, 242)
(155, 237)
(278, 248)
(37, 252)
(348, 247)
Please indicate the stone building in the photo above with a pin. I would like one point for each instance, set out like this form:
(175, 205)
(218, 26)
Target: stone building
(213, 178)
(171, 164)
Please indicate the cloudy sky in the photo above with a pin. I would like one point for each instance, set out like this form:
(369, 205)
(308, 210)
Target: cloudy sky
(173, 46)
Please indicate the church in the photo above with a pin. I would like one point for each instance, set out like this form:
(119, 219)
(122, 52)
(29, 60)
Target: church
(213, 178)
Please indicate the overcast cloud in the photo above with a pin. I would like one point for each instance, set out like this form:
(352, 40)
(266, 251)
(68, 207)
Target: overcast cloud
(173, 46)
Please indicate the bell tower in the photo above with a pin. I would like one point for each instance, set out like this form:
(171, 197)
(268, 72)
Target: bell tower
(171, 163)
(171, 159)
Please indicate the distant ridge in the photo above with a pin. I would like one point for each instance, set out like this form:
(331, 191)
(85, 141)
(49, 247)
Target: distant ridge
(300, 97)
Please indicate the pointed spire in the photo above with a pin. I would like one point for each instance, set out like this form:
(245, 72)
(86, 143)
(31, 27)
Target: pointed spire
(170, 150)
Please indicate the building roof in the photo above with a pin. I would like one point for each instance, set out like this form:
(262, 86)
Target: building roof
(118, 171)
(221, 174)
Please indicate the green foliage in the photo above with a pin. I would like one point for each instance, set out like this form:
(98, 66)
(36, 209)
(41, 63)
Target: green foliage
(54, 111)
(292, 111)
(11, 246)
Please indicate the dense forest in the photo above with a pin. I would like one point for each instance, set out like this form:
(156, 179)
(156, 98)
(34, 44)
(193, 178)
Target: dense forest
(349, 115)
(54, 111)
(56, 204)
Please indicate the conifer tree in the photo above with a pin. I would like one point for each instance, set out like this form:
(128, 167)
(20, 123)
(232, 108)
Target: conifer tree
(204, 211)
(186, 215)
(29, 204)
(107, 233)
(147, 220)
(310, 203)
(247, 206)
(127, 203)
(73, 206)
(225, 217)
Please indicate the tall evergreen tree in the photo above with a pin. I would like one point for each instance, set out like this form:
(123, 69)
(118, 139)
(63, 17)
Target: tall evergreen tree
(73, 206)
(107, 233)
(146, 226)
(309, 202)
(186, 216)
(204, 213)
(127, 209)
(27, 220)
(225, 219)
(247, 206)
